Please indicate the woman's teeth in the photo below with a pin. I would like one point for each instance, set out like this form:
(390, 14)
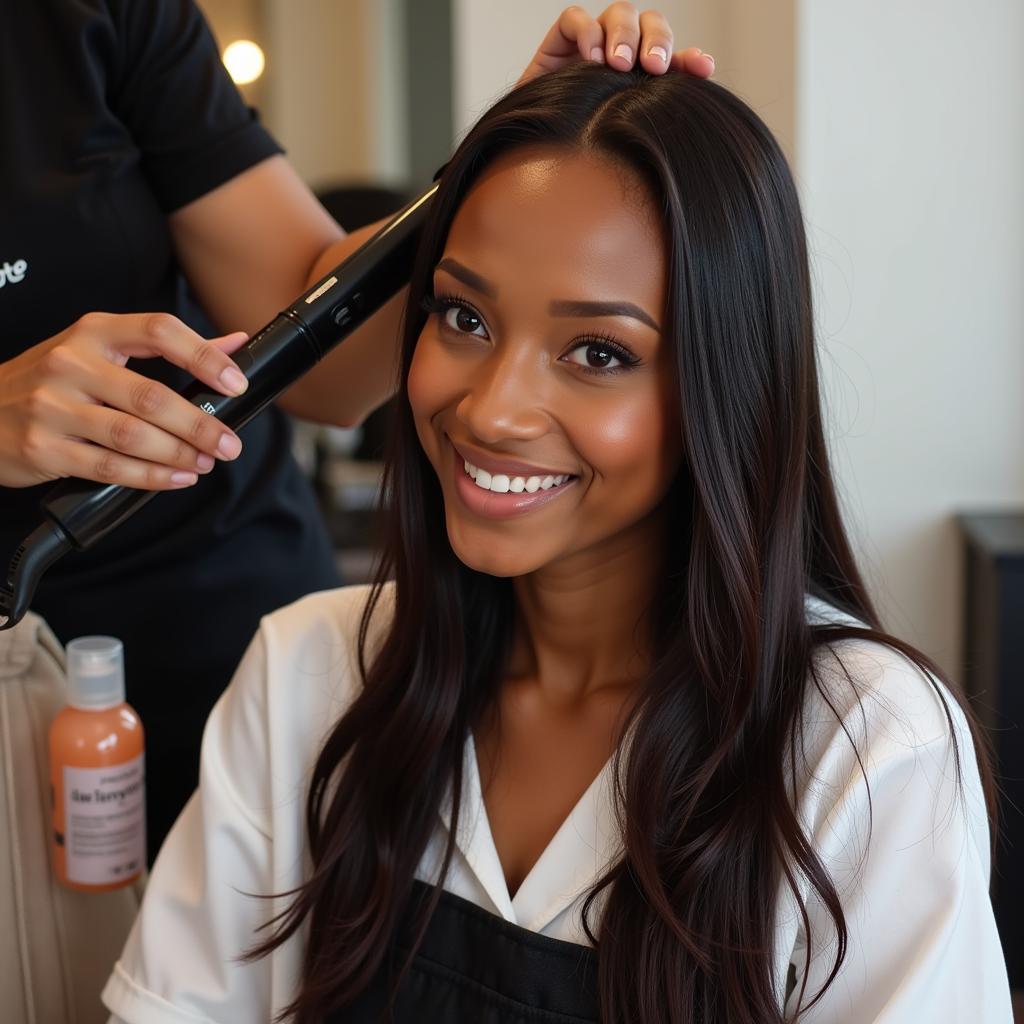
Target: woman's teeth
(501, 484)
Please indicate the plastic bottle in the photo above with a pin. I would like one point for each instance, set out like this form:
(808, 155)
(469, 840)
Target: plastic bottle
(97, 773)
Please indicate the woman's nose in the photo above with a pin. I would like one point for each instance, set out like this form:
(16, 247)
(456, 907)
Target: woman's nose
(506, 399)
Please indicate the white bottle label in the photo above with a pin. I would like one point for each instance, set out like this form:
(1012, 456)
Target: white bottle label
(105, 822)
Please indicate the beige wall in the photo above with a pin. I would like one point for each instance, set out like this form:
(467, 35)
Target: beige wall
(319, 104)
(331, 92)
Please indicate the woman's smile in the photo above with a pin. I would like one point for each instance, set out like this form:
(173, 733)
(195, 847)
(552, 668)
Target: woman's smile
(505, 488)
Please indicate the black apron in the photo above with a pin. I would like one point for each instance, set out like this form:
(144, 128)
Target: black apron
(476, 968)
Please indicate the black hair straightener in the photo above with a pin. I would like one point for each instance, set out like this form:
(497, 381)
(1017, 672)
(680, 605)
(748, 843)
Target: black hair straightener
(77, 513)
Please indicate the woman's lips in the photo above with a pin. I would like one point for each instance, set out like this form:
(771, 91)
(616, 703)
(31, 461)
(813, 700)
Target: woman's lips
(499, 506)
(507, 467)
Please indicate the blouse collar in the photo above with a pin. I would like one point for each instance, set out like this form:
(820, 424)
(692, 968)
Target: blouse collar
(581, 851)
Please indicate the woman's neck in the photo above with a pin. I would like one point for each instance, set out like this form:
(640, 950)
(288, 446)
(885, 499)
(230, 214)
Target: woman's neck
(583, 622)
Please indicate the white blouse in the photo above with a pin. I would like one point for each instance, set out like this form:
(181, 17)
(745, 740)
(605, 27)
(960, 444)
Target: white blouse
(922, 938)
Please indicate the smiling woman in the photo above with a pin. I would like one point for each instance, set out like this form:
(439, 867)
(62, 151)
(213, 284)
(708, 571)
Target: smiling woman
(616, 735)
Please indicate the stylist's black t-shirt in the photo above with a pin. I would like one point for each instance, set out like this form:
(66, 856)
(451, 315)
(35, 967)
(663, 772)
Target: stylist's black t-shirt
(113, 114)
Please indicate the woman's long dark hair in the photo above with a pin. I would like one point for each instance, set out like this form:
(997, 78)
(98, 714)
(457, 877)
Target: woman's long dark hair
(706, 793)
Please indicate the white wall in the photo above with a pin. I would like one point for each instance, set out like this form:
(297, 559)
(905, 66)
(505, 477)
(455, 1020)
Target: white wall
(910, 128)
(493, 42)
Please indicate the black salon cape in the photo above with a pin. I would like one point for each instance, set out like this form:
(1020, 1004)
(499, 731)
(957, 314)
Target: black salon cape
(114, 113)
(472, 966)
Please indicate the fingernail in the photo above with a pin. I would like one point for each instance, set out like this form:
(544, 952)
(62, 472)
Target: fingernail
(658, 51)
(597, 54)
(229, 446)
(709, 57)
(182, 479)
(204, 462)
(625, 51)
(234, 380)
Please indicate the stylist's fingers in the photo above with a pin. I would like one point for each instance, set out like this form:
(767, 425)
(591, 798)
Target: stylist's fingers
(575, 35)
(621, 24)
(229, 343)
(160, 334)
(619, 36)
(149, 403)
(73, 457)
(694, 61)
(152, 334)
(122, 432)
(655, 42)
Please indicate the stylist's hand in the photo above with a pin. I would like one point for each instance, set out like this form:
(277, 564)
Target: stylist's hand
(617, 37)
(70, 407)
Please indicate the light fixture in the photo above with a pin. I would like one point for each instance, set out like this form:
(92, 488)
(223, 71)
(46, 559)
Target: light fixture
(244, 61)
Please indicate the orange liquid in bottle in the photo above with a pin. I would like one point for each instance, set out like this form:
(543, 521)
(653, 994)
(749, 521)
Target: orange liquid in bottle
(97, 774)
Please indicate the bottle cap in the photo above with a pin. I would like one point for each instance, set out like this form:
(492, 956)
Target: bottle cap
(95, 672)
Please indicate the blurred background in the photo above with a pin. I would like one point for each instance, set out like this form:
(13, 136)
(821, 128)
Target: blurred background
(904, 123)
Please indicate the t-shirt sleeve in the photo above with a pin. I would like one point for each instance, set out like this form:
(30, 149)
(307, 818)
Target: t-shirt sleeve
(922, 942)
(193, 129)
(206, 896)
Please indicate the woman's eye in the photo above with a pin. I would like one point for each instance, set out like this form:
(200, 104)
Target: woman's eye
(597, 355)
(464, 320)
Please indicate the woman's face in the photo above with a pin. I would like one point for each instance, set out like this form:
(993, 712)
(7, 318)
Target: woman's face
(541, 387)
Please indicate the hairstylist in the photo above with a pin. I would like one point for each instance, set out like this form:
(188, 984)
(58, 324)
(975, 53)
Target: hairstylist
(145, 211)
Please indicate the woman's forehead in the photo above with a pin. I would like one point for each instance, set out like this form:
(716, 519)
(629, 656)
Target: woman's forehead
(558, 220)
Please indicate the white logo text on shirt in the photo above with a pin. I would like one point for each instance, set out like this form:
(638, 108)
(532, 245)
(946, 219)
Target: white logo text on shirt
(13, 272)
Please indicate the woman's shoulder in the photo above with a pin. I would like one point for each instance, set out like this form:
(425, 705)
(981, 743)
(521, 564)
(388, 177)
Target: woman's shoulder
(889, 794)
(879, 730)
(872, 692)
(321, 625)
(311, 648)
(297, 678)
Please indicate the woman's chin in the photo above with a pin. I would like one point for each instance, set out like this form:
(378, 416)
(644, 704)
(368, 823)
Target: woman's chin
(495, 559)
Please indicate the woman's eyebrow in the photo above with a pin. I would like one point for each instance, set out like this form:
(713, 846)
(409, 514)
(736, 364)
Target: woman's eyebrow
(570, 307)
(559, 307)
(468, 277)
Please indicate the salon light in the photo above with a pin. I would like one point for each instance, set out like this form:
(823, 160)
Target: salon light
(244, 61)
